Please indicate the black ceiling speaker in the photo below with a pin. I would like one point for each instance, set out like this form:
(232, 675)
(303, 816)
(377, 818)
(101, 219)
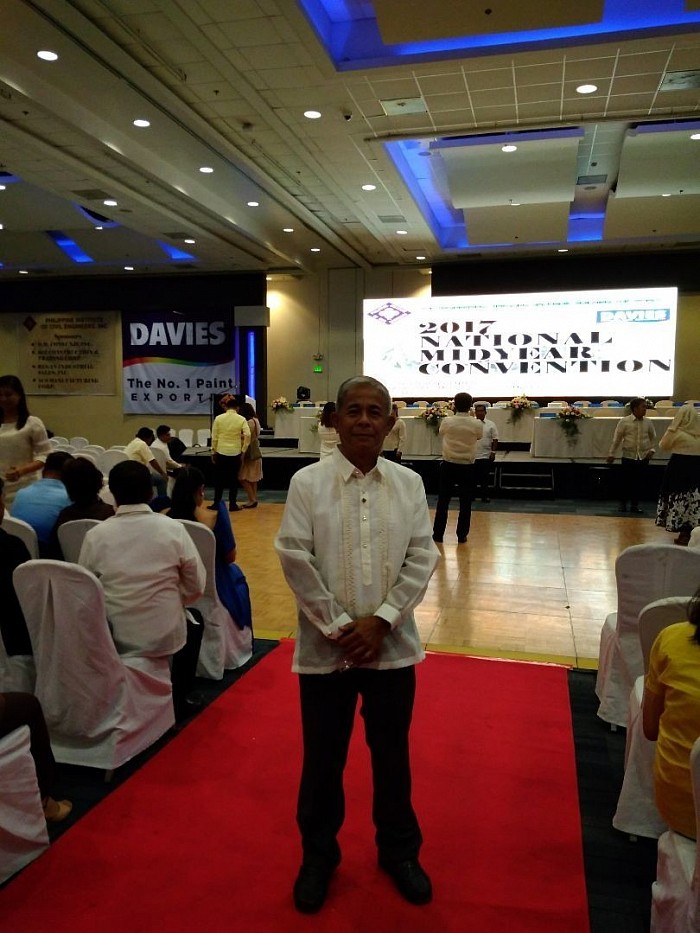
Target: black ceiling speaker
(303, 393)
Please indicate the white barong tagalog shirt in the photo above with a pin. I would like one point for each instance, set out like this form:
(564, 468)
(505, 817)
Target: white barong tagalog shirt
(353, 545)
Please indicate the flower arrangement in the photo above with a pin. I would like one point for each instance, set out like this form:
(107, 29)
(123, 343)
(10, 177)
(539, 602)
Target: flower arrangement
(518, 404)
(281, 404)
(434, 414)
(568, 419)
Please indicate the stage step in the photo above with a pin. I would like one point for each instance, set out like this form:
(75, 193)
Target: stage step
(515, 479)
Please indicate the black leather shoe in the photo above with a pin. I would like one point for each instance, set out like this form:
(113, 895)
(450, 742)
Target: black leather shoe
(462, 540)
(234, 507)
(411, 881)
(311, 888)
(437, 539)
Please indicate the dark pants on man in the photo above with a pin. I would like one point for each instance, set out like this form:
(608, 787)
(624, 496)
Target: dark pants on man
(328, 704)
(482, 473)
(632, 476)
(460, 475)
(183, 665)
(226, 474)
(23, 709)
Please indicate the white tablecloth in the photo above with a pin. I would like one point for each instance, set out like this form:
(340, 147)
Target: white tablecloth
(595, 437)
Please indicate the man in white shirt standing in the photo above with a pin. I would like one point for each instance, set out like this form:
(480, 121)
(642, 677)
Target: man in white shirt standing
(637, 436)
(355, 548)
(460, 433)
(485, 452)
(149, 569)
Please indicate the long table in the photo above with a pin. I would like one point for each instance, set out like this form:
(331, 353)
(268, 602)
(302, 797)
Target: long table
(593, 442)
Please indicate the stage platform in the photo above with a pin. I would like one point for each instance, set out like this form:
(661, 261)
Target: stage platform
(515, 474)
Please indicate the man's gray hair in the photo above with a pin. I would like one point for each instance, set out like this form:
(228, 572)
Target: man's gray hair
(354, 381)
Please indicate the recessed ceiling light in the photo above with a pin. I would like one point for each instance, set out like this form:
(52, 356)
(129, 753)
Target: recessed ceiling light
(2, 226)
(98, 228)
(402, 232)
(142, 123)
(2, 187)
(206, 169)
(369, 187)
(509, 148)
(695, 136)
(420, 257)
(128, 268)
(315, 249)
(47, 56)
(287, 229)
(665, 195)
(253, 203)
(562, 251)
(190, 240)
(268, 278)
(23, 272)
(312, 114)
(110, 202)
(515, 203)
(586, 88)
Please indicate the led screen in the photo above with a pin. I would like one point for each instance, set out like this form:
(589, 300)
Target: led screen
(571, 345)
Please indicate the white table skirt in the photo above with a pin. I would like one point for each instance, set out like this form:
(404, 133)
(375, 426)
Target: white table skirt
(593, 441)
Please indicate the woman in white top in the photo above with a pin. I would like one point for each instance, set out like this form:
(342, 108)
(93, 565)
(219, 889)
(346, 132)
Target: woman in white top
(327, 434)
(24, 444)
(396, 438)
(679, 500)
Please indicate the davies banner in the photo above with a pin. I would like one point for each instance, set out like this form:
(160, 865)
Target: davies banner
(174, 362)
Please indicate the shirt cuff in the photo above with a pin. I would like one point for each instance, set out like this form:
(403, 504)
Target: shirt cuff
(333, 631)
(389, 613)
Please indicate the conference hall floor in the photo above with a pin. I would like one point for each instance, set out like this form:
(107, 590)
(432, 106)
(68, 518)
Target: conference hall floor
(534, 581)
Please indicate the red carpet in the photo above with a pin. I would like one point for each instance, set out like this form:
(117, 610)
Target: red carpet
(203, 837)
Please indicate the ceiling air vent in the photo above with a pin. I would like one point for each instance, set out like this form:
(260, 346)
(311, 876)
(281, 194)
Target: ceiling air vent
(391, 218)
(591, 179)
(178, 235)
(680, 81)
(92, 194)
(394, 108)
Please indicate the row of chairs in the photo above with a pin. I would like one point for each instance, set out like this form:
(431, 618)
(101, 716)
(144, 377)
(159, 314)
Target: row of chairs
(102, 712)
(189, 437)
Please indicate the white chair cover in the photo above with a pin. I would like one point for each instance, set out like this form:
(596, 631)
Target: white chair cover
(203, 435)
(23, 530)
(560, 403)
(675, 895)
(608, 402)
(70, 537)
(59, 439)
(110, 458)
(23, 834)
(636, 812)
(101, 709)
(695, 538)
(79, 442)
(95, 449)
(186, 435)
(644, 572)
(664, 403)
(582, 403)
(224, 645)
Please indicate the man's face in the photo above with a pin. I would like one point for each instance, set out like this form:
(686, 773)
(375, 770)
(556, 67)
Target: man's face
(480, 412)
(362, 422)
(165, 438)
(640, 410)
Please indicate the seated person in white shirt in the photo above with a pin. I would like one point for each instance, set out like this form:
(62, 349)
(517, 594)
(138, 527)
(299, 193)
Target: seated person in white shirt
(140, 450)
(150, 570)
(162, 442)
(637, 436)
(355, 548)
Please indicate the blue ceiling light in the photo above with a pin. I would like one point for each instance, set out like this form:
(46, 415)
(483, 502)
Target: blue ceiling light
(173, 251)
(69, 247)
(586, 228)
(352, 38)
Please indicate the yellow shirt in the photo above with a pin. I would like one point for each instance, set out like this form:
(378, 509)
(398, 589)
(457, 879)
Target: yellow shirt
(230, 434)
(674, 674)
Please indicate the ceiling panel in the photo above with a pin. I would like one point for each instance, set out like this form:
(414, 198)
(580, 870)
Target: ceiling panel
(526, 224)
(660, 160)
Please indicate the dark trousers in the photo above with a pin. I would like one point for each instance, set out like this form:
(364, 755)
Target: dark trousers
(482, 472)
(226, 474)
(328, 704)
(460, 475)
(632, 477)
(23, 709)
(183, 667)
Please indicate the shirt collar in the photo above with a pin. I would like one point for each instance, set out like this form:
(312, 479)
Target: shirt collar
(347, 470)
(137, 507)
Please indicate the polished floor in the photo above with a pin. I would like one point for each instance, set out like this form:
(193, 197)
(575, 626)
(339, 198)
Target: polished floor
(535, 583)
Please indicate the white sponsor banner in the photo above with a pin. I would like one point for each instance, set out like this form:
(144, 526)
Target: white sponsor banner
(603, 343)
(176, 389)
